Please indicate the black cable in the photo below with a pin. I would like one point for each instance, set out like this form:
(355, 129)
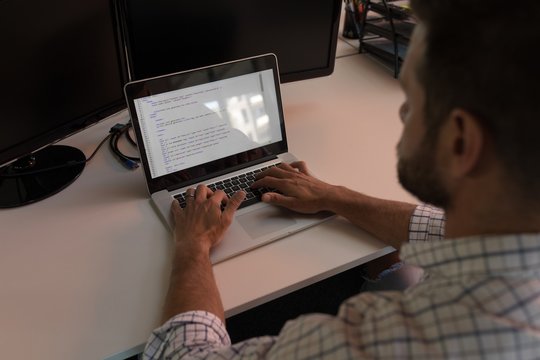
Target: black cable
(130, 162)
(68, 164)
(98, 147)
(115, 141)
(128, 135)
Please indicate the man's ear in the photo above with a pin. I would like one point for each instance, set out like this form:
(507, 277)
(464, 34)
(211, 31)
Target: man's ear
(465, 143)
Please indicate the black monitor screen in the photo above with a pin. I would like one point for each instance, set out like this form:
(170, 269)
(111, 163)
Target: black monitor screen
(59, 71)
(165, 36)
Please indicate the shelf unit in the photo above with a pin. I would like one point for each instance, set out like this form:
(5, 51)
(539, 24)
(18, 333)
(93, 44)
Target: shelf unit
(385, 30)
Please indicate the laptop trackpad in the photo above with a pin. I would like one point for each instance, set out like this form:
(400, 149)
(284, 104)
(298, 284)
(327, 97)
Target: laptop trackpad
(266, 220)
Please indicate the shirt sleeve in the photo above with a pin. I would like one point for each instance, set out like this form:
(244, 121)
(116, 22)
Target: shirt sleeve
(427, 224)
(201, 335)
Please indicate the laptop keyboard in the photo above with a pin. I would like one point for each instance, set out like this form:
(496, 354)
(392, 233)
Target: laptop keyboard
(234, 184)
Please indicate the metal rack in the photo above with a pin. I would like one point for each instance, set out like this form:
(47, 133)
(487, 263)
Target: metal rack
(384, 31)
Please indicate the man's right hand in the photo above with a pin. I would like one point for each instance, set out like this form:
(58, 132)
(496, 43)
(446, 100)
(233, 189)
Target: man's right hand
(299, 191)
(387, 220)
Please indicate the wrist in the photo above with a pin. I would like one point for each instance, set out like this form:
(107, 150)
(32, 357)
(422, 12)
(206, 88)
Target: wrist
(187, 258)
(192, 248)
(334, 199)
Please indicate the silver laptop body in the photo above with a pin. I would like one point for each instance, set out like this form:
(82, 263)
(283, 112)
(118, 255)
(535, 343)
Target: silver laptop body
(211, 126)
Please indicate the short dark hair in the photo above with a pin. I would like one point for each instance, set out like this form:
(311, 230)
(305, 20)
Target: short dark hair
(480, 56)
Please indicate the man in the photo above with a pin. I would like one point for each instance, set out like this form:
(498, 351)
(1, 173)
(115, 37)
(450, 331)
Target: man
(469, 145)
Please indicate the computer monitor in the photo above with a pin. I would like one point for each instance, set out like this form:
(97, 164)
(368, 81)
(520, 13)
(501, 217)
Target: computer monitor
(60, 71)
(165, 36)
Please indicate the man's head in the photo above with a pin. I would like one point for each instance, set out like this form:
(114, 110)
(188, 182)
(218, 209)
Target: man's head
(471, 73)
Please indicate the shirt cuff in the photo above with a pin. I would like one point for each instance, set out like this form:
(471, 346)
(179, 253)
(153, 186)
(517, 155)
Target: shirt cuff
(185, 333)
(427, 224)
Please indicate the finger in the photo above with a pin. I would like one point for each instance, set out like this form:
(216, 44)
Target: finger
(277, 172)
(219, 197)
(233, 203)
(201, 193)
(177, 212)
(190, 194)
(175, 208)
(277, 199)
(286, 166)
(301, 166)
(270, 182)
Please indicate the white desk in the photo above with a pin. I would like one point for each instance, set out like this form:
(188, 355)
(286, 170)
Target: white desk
(84, 273)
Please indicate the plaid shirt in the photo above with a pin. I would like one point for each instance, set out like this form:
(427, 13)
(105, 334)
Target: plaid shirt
(480, 298)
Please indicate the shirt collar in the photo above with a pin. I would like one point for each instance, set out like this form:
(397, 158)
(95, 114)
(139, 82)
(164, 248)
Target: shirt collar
(502, 254)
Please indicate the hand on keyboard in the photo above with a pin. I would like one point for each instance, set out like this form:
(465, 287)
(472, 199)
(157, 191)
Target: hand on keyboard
(234, 184)
(297, 189)
(201, 224)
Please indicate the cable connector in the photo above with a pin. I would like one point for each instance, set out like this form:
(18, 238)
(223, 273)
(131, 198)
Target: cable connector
(118, 128)
(130, 164)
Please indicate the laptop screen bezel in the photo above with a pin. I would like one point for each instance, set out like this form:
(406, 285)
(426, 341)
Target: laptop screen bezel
(170, 82)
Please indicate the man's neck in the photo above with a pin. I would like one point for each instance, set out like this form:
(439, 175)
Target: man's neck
(493, 218)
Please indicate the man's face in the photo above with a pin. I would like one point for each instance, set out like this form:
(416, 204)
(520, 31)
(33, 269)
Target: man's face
(419, 171)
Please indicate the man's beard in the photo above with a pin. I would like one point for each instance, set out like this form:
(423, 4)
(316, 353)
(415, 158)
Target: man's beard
(420, 176)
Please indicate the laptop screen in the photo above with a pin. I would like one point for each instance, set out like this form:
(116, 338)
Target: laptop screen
(199, 123)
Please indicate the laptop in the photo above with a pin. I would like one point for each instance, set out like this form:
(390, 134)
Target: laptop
(218, 125)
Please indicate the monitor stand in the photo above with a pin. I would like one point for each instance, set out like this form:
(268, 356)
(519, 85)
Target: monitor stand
(23, 182)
